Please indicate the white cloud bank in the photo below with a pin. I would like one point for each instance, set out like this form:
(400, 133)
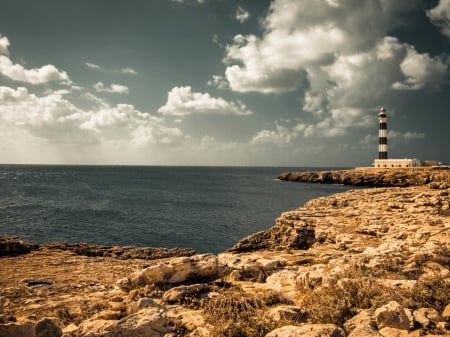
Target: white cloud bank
(182, 101)
(17, 72)
(53, 119)
(127, 70)
(338, 56)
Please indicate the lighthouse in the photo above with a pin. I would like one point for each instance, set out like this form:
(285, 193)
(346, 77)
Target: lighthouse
(383, 161)
(382, 135)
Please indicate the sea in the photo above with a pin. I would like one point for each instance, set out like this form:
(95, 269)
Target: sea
(208, 209)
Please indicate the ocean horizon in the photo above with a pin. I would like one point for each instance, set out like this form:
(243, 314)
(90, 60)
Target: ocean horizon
(207, 208)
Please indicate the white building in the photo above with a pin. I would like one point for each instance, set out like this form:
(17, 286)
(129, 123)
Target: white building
(391, 163)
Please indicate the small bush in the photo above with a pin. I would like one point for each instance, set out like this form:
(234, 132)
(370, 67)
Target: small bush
(233, 313)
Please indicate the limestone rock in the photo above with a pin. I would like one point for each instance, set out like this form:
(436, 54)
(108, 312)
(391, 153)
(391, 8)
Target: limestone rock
(196, 268)
(17, 330)
(362, 319)
(181, 293)
(11, 245)
(308, 330)
(427, 317)
(48, 327)
(446, 313)
(392, 315)
(393, 332)
(146, 322)
(399, 177)
(364, 331)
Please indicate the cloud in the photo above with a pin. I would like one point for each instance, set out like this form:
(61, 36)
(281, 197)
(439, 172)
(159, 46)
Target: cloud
(421, 70)
(54, 119)
(342, 77)
(92, 65)
(181, 101)
(127, 70)
(45, 74)
(242, 14)
(4, 44)
(440, 16)
(408, 135)
(113, 88)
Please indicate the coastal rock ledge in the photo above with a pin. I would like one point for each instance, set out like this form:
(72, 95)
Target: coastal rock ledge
(366, 262)
(373, 177)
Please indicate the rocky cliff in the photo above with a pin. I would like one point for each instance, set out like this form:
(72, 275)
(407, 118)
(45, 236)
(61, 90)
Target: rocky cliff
(374, 177)
(367, 262)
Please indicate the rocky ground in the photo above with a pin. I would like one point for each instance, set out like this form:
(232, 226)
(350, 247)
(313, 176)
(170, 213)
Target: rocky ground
(374, 177)
(367, 262)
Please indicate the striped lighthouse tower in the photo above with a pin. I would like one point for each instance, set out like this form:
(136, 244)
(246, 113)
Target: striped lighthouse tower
(382, 135)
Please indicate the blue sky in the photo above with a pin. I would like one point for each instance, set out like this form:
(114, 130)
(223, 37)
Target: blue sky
(222, 82)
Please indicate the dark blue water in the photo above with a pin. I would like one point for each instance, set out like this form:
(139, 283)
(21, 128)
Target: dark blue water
(205, 208)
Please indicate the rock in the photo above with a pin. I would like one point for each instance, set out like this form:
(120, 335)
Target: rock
(308, 330)
(12, 246)
(392, 315)
(48, 327)
(446, 313)
(146, 322)
(362, 319)
(197, 268)
(393, 332)
(364, 331)
(375, 177)
(145, 302)
(287, 313)
(427, 317)
(178, 294)
(122, 253)
(17, 330)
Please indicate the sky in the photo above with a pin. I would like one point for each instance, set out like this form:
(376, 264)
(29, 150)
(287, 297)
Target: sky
(223, 82)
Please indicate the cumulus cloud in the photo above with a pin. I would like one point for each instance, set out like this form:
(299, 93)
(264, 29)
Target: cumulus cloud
(311, 47)
(182, 101)
(113, 88)
(242, 14)
(53, 118)
(421, 70)
(440, 16)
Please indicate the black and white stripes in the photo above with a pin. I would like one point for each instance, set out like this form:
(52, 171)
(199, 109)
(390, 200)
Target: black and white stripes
(382, 135)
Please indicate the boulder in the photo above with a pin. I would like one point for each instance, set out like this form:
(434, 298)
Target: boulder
(178, 294)
(362, 319)
(11, 246)
(197, 268)
(392, 315)
(446, 313)
(427, 317)
(308, 330)
(48, 327)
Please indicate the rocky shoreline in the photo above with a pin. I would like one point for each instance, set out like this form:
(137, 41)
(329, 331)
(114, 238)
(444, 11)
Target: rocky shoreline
(366, 262)
(373, 177)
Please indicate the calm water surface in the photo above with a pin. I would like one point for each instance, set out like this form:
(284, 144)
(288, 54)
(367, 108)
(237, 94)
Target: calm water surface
(205, 208)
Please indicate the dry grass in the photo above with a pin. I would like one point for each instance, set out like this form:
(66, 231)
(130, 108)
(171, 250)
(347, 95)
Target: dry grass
(234, 313)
